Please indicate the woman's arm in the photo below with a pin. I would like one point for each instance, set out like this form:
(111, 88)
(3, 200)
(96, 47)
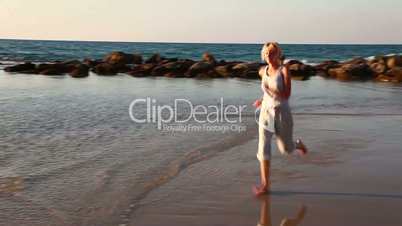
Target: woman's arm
(261, 72)
(258, 102)
(287, 83)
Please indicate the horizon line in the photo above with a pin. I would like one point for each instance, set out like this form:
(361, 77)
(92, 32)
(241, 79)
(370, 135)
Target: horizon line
(192, 42)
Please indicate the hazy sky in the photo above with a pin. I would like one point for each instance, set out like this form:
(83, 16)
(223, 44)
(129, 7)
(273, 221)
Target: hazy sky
(251, 21)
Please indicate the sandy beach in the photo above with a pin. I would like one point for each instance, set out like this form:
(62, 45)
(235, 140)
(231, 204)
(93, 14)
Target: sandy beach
(349, 178)
(151, 113)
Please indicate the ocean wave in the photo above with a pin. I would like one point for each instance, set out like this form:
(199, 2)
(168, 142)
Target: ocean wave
(387, 55)
(304, 61)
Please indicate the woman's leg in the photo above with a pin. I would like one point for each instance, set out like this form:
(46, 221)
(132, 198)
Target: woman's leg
(264, 187)
(265, 173)
(284, 133)
(284, 130)
(264, 155)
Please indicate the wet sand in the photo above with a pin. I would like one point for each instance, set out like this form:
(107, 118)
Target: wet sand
(70, 155)
(351, 177)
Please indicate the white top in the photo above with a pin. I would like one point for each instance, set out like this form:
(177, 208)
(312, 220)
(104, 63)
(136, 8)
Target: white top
(270, 100)
(275, 83)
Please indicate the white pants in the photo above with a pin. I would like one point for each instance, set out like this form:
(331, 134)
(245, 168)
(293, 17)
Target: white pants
(283, 124)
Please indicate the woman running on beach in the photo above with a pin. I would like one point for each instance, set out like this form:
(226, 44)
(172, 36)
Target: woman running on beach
(275, 115)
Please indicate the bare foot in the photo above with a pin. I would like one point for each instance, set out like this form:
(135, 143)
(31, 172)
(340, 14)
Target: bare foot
(300, 147)
(260, 190)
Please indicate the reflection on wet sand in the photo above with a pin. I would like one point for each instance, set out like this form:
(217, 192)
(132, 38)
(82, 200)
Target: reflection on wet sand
(266, 219)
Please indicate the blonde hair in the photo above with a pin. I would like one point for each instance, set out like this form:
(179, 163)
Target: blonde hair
(275, 45)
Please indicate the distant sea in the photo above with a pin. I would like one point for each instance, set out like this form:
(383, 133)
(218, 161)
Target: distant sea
(42, 51)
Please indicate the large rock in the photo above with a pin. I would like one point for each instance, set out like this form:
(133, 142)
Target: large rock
(53, 69)
(378, 67)
(392, 75)
(378, 59)
(137, 59)
(300, 71)
(394, 61)
(154, 59)
(58, 68)
(25, 67)
(105, 69)
(168, 60)
(79, 71)
(70, 62)
(351, 72)
(142, 70)
(71, 65)
(290, 62)
(91, 63)
(356, 60)
(322, 68)
(246, 70)
(224, 71)
(201, 69)
(360, 71)
(209, 58)
(122, 58)
(172, 69)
